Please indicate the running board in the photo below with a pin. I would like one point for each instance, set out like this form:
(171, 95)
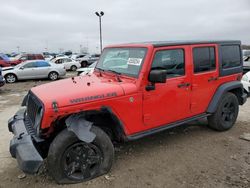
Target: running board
(165, 127)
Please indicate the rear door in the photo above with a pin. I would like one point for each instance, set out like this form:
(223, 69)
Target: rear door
(169, 101)
(67, 63)
(42, 69)
(205, 76)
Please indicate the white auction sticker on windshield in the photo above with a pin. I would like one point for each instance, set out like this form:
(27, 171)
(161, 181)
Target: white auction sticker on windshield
(134, 61)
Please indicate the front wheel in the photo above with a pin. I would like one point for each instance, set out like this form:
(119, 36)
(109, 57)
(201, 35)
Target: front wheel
(71, 160)
(73, 68)
(226, 114)
(84, 64)
(10, 78)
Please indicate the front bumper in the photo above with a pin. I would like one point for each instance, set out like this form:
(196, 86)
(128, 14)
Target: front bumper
(2, 81)
(246, 85)
(21, 146)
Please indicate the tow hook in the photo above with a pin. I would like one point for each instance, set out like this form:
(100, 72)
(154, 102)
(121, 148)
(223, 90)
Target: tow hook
(20, 136)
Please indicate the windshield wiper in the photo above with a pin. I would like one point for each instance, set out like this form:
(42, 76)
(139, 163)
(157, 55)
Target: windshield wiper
(114, 71)
(117, 74)
(100, 70)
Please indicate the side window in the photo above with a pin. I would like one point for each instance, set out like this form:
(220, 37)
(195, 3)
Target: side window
(59, 61)
(230, 56)
(67, 60)
(170, 60)
(204, 59)
(30, 57)
(29, 65)
(23, 58)
(42, 64)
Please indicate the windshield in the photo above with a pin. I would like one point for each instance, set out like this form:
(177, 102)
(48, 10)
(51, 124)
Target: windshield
(5, 57)
(126, 61)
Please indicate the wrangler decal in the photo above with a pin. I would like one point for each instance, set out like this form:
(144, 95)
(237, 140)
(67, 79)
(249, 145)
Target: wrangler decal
(94, 97)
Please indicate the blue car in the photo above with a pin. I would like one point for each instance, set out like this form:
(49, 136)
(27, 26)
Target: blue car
(2, 80)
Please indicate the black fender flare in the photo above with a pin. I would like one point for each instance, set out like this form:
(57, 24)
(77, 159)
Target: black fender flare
(221, 90)
(77, 124)
(25, 99)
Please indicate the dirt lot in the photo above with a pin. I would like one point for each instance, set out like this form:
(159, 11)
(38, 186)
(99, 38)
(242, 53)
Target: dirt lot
(190, 156)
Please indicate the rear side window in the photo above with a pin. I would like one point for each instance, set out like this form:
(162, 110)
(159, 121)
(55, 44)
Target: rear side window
(31, 57)
(170, 60)
(204, 59)
(42, 64)
(230, 56)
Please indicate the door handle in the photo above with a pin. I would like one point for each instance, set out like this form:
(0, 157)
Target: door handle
(183, 85)
(212, 79)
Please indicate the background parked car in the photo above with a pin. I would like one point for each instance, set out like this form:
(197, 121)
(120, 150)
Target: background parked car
(76, 57)
(246, 64)
(88, 59)
(2, 80)
(25, 57)
(246, 53)
(68, 63)
(4, 61)
(246, 82)
(48, 57)
(35, 69)
(88, 70)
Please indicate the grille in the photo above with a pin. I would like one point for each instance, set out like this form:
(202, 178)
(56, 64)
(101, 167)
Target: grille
(33, 106)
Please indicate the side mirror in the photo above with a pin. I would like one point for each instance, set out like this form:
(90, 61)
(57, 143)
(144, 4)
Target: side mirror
(21, 68)
(157, 76)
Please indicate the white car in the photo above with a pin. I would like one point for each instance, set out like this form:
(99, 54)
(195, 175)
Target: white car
(48, 57)
(88, 70)
(246, 82)
(246, 53)
(76, 57)
(68, 63)
(88, 59)
(35, 69)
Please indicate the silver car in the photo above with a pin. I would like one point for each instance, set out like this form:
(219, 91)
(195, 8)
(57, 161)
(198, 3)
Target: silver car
(35, 69)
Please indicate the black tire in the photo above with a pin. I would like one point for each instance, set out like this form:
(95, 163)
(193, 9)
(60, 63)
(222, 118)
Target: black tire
(84, 64)
(10, 78)
(62, 146)
(53, 75)
(73, 68)
(226, 114)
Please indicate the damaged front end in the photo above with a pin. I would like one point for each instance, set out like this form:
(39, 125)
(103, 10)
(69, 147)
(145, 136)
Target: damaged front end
(25, 125)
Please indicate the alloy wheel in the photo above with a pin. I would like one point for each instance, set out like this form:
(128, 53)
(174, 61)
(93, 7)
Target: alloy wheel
(81, 161)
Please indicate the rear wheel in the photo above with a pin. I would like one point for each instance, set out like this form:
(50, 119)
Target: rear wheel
(71, 160)
(53, 76)
(226, 114)
(84, 64)
(73, 68)
(10, 78)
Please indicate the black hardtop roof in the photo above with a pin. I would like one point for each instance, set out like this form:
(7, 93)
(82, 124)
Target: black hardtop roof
(188, 42)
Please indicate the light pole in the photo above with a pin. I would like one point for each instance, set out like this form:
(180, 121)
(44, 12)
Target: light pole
(100, 14)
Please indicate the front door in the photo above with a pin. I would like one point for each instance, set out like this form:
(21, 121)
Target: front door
(169, 101)
(205, 76)
(27, 71)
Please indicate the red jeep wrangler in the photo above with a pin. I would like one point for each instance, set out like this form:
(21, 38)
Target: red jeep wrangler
(136, 90)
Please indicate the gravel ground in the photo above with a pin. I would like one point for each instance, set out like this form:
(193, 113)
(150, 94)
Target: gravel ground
(189, 156)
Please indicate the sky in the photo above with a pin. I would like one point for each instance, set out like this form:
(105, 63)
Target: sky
(56, 25)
